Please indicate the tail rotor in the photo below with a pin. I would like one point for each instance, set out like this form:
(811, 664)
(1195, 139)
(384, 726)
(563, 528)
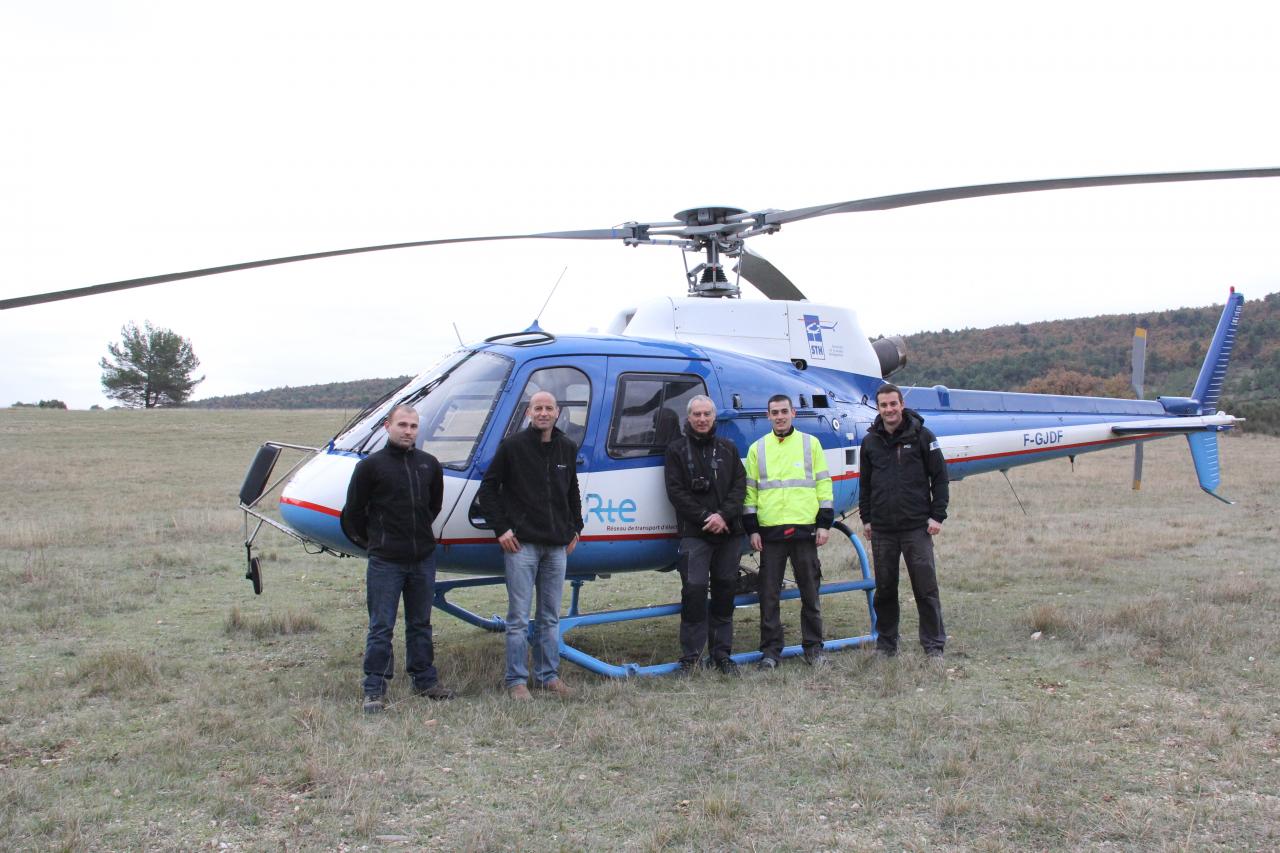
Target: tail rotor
(1139, 374)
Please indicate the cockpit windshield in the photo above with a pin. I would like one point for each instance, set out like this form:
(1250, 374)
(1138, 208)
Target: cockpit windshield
(454, 401)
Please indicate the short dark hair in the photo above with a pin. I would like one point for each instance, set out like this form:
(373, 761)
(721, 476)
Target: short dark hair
(778, 398)
(889, 388)
(397, 407)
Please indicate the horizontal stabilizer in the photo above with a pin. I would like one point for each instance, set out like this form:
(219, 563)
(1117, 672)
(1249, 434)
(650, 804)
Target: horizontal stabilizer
(1173, 426)
(1171, 429)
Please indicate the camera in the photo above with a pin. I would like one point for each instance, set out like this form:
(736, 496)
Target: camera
(699, 485)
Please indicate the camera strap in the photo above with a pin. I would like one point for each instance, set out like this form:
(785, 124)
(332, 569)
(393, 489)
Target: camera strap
(713, 478)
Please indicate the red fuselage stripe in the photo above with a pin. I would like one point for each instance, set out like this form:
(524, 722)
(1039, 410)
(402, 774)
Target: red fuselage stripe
(847, 476)
(314, 507)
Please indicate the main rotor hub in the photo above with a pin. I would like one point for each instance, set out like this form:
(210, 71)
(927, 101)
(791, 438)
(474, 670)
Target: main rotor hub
(708, 215)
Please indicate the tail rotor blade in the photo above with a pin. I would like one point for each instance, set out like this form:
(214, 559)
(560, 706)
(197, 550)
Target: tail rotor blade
(1139, 360)
(1139, 375)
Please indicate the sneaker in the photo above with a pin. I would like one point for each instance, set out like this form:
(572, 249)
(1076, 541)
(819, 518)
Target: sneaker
(435, 692)
(520, 693)
(767, 664)
(817, 659)
(375, 704)
(726, 666)
(558, 688)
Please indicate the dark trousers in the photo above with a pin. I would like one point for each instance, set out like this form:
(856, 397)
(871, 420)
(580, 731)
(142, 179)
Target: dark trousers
(808, 574)
(386, 583)
(707, 563)
(917, 547)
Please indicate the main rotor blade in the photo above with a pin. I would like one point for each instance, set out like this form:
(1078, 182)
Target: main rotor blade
(889, 202)
(767, 278)
(56, 296)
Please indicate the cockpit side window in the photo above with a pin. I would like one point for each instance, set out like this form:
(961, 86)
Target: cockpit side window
(648, 411)
(572, 390)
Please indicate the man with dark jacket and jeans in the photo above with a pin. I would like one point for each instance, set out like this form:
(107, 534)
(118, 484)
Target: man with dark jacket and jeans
(530, 497)
(903, 502)
(393, 498)
(706, 484)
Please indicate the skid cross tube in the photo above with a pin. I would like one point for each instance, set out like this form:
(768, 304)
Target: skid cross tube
(574, 619)
(493, 623)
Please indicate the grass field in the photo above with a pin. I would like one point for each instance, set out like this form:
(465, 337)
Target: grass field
(1111, 679)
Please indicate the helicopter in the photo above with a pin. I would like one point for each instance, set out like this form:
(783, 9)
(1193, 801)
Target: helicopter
(622, 395)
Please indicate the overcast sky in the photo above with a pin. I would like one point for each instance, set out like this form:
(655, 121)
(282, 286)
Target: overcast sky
(143, 138)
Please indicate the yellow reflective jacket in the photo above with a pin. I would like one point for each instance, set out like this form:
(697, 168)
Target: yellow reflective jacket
(787, 482)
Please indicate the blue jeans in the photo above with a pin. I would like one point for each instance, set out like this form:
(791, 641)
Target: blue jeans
(541, 568)
(386, 582)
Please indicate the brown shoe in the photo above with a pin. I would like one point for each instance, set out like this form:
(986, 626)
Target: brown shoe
(520, 693)
(558, 688)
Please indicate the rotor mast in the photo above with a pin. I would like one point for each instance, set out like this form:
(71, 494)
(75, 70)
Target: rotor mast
(714, 231)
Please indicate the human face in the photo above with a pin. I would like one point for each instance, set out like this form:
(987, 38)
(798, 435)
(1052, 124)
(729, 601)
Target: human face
(890, 407)
(780, 414)
(702, 417)
(543, 412)
(402, 428)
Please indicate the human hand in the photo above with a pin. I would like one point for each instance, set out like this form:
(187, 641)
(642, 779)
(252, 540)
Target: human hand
(756, 544)
(935, 527)
(573, 543)
(715, 524)
(866, 530)
(509, 542)
(821, 535)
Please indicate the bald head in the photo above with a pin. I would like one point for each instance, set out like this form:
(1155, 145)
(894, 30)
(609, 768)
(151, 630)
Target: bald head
(542, 413)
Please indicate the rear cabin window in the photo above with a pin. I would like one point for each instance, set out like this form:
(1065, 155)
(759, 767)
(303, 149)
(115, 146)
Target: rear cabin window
(648, 411)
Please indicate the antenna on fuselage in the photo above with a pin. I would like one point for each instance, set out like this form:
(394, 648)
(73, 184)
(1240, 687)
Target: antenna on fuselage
(549, 295)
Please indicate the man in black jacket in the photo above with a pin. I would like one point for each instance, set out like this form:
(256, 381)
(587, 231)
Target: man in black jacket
(393, 498)
(706, 484)
(903, 502)
(530, 497)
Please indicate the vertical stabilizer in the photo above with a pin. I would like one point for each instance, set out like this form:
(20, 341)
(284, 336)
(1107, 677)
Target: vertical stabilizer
(1204, 453)
(1209, 384)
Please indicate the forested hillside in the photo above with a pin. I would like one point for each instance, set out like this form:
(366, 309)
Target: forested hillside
(1091, 356)
(332, 395)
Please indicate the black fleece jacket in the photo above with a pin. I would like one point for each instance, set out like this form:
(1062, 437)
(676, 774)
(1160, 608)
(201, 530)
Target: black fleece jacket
(531, 487)
(902, 476)
(393, 498)
(716, 460)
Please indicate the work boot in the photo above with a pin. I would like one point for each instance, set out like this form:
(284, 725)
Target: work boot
(435, 692)
(556, 687)
(816, 659)
(375, 704)
(767, 664)
(519, 693)
(726, 666)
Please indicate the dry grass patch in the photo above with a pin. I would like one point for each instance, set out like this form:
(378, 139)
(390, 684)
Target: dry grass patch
(270, 624)
(121, 672)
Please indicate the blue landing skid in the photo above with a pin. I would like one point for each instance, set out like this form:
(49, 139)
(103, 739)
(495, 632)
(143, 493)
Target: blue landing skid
(574, 619)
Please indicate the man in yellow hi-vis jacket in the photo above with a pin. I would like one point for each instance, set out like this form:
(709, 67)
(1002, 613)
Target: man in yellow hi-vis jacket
(788, 512)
